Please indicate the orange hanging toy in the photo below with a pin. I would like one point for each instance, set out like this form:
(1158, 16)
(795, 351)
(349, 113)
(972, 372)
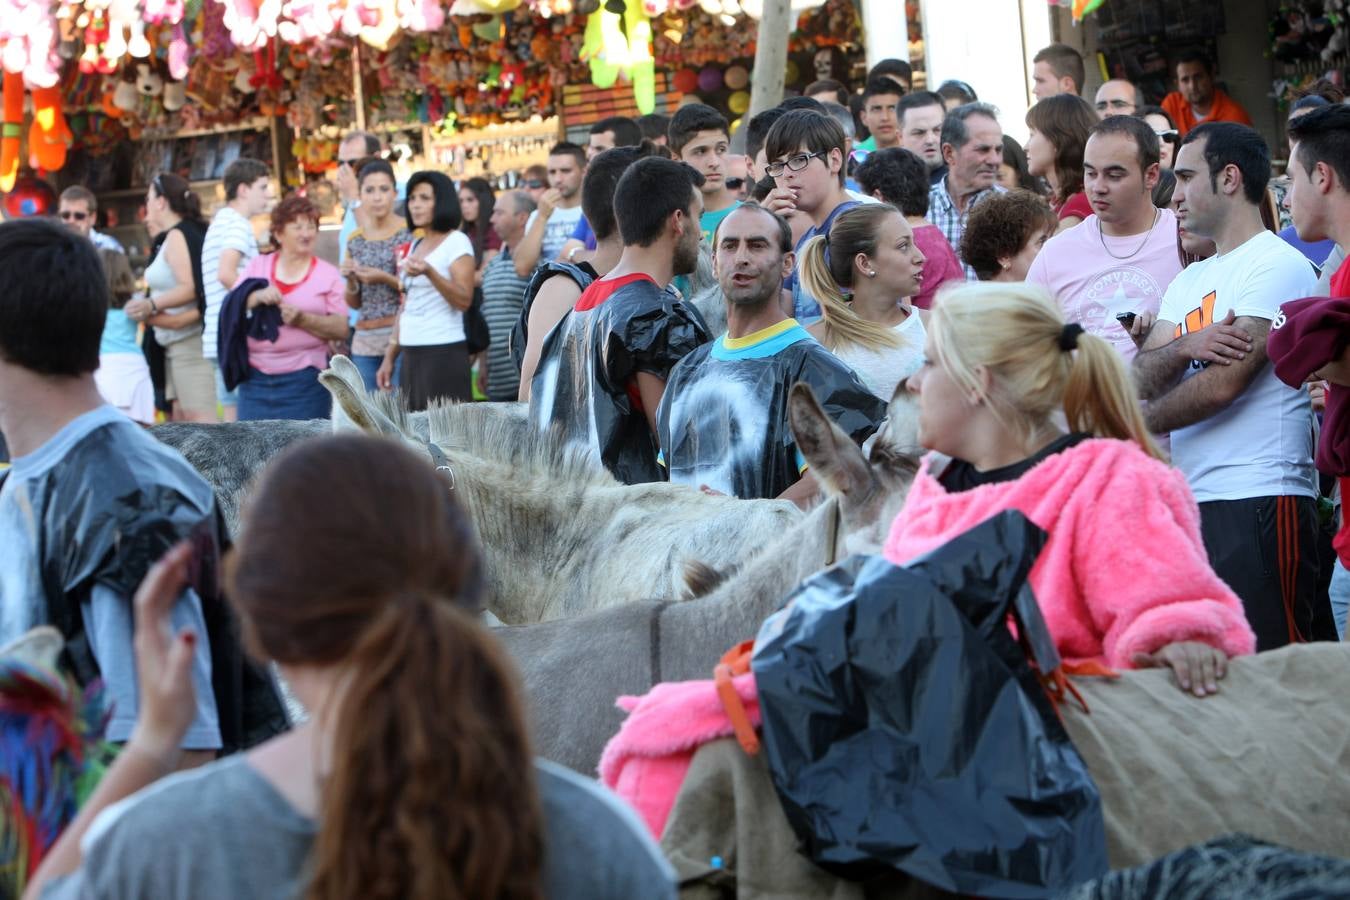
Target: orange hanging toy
(11, 131)
(50, 136)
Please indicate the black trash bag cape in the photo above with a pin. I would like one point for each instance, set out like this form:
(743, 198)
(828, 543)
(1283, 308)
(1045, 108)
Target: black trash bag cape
(586, 383)
(905, 729)
(724, 422)
(105, 521)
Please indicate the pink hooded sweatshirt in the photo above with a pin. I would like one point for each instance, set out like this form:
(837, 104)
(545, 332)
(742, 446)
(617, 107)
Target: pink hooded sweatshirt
(1123, 571)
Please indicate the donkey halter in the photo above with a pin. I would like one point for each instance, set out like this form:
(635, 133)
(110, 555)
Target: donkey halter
(441, 462)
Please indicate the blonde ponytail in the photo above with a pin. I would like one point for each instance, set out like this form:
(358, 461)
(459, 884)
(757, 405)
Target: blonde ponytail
(1099, 397)
(1014, 331)
(825, 268)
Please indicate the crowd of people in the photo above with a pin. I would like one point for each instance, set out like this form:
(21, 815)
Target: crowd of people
(1104, 329)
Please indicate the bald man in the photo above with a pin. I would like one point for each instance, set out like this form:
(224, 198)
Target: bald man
(1117, 97)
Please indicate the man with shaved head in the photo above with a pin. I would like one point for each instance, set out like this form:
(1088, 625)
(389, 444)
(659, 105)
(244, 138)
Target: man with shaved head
(1117, 97)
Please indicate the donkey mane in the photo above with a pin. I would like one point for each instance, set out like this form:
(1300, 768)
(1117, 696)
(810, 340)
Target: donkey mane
(501, 441)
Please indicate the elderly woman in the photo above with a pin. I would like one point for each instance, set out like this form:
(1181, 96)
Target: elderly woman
(283, 375)
(1005, 233)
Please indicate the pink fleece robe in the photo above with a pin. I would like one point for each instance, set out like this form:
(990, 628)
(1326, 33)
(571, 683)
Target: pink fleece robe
(645, 763)
(1124, 569)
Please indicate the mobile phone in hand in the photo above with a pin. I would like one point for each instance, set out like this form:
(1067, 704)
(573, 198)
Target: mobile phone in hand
(1126, 320)
(202, 572)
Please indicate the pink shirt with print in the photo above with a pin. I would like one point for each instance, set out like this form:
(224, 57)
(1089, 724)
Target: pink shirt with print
(319, 293)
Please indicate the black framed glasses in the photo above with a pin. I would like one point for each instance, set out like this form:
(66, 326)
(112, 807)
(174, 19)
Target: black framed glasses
(791, 164)
(1121, 107)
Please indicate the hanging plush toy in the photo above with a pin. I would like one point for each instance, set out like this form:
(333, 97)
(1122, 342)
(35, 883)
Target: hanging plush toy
(49, 137)
(610, 50)
(11, 131)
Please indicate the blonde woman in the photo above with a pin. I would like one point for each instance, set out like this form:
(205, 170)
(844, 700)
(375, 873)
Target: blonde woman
(1123, 579)
(863, 273)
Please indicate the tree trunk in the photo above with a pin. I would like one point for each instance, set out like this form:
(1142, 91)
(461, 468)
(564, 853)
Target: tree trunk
(766, 83)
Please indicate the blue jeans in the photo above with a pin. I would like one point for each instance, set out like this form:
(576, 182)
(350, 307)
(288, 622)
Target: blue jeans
(1340, 596)
(292, 395)
(369, 365)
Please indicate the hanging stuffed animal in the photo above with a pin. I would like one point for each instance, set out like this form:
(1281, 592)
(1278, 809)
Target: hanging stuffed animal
(11, 130)
(49, 137)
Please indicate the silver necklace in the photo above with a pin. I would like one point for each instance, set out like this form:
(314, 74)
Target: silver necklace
(1102, 236)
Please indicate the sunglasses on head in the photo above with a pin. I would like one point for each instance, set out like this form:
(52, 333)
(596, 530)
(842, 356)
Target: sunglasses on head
(67, 215)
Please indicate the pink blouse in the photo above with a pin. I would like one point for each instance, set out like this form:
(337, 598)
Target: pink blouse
(319, 293)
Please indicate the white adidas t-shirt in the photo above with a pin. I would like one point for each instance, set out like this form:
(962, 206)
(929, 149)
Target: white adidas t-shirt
(1261, 445)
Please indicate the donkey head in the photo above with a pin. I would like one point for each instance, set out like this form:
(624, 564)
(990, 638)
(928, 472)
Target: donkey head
(870, 487)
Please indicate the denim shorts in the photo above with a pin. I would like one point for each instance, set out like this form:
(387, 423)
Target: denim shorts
(224, 397)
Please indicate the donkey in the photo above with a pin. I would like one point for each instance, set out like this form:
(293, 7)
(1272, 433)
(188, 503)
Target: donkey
(560, 535)
(574, 669)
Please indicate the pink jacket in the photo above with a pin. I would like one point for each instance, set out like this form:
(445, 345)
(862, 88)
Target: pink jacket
(645, 763)
(1123, 570)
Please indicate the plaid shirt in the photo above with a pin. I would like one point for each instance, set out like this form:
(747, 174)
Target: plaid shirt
(942, 213)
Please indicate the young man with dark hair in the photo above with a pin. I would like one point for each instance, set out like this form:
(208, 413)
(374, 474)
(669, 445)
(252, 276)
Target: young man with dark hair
(1242, 438)
(920, 116)
(808, 153)
(603, 369)
(1057, 69)
(880, 104)
(78, 209)
(1319, 200)
(827, 90)
(972, 148)
(616, 131)
(756, 132)
(1197, 98)
(92, 500)
(723, 420)
(227, 249)
(1122, 258)
(559, 209)
(654, 128)
(900, 178)
(898, 70)
(699, 136)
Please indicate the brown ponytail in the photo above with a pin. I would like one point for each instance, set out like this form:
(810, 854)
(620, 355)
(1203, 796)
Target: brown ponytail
(176, 191)
(353, 552)
(826, 269)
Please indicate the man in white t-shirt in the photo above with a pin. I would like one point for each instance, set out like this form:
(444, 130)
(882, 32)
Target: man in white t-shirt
(1121, 258)
(1243, 439)
(227, 249)
(552, 224)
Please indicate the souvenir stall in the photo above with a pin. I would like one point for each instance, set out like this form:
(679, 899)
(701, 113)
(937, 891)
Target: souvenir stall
(106, 93)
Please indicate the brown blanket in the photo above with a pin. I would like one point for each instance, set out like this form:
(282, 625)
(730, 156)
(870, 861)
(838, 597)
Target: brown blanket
(1268, 756)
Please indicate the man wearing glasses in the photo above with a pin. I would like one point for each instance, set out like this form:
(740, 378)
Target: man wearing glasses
(355, 147)
(78, 208)
(807, 152)
(1117, 97)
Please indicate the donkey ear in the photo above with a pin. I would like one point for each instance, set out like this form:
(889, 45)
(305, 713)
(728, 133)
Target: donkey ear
(838, 464)
(352, 408)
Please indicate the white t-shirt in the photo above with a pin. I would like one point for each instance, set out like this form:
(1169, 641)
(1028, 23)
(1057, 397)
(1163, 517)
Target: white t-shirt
(1092, 283)
(560, 227)
(229, 231)
(1261, 445)
(428, 319)
(883, 370)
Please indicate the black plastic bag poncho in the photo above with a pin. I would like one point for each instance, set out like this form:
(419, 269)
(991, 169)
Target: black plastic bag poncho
(111, 507)
(586, 383)
(723, 422)
(905, 729)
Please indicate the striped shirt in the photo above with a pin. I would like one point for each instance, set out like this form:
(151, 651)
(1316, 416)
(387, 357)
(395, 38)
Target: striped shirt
(503, 297)
(943, 213)
(229, 231)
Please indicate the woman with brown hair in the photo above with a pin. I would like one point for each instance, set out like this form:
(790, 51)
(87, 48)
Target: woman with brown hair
(177, 301)
(413, 778)
(283, 374)
(1005, 233)
(1060, 126)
